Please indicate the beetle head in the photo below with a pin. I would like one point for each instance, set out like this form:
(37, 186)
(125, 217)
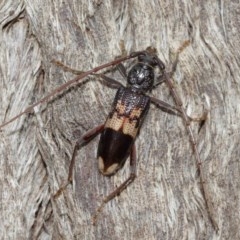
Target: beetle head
(141, 75)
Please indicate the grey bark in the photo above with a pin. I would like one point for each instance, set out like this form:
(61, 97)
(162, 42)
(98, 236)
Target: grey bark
(165, 201)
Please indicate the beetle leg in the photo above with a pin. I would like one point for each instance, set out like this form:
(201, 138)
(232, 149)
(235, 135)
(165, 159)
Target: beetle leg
(123, 186)
(122, 70)
(109, 81)
(166, 107)
(87, 137)
(165, 77)
(193, 141)
(112, 82)
(162, 78)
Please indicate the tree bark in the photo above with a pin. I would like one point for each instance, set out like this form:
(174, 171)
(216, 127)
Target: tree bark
(165, 201)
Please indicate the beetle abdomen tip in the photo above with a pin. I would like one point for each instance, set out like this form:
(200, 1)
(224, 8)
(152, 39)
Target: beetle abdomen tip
(109, 170)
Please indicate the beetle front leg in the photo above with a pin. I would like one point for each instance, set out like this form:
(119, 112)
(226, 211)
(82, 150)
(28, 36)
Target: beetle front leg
(87, 137)
(112, 82)
(109, 81)
(123, 186)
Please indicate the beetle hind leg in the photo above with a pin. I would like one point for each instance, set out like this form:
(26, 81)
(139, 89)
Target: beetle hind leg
(87, 137)
(121, 188)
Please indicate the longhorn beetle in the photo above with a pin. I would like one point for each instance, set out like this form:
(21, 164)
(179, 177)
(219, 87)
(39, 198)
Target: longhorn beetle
(129, 109)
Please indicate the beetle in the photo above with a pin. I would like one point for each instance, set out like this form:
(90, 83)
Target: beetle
(129, 109)
(123, 123)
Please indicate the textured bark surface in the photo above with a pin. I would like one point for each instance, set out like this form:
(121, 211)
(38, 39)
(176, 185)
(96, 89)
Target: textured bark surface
(165, 200)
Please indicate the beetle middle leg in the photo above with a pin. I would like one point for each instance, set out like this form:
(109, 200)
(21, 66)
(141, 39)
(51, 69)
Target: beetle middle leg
(123, 186)
(87, 137)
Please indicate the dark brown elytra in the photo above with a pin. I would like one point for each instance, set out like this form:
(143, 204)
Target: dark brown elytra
(122, 125)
